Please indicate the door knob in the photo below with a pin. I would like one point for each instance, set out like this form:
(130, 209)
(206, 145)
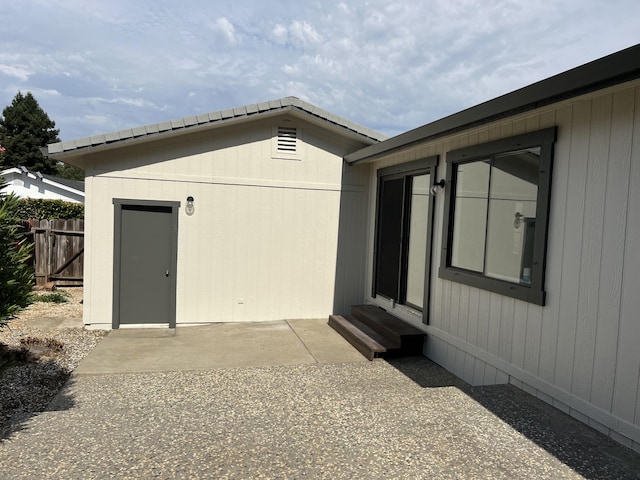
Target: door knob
(166, 273)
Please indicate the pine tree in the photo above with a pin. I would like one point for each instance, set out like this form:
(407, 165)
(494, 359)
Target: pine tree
(24, 128)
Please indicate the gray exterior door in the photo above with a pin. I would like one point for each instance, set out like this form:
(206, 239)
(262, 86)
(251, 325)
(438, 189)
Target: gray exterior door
(145, 263)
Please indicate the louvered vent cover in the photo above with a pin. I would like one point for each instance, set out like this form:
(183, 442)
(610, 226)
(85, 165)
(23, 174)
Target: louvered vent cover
(287, 139)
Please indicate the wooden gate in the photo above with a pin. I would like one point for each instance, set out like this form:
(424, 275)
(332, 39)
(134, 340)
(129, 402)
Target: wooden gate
(58, 251)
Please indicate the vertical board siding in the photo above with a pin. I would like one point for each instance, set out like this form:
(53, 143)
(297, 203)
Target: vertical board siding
(591, 247)
(545, 338)
(519, 337)
(532, 357)
(483, 334)
(579, 351)
(612, 260)
(505, 332)
(350, 281)
(568, 290)
(626, 394)
(463, 320)
(495, 314)
(264, 240)
(472, 333)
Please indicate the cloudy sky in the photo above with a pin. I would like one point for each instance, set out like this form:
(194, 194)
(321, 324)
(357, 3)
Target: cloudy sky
(97, 66)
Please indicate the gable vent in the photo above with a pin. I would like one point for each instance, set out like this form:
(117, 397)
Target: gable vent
(287, 137)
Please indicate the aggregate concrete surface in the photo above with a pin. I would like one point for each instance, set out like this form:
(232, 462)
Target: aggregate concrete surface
(405, 418)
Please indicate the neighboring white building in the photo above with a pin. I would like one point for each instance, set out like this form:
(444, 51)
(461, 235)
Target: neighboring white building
(26, 184)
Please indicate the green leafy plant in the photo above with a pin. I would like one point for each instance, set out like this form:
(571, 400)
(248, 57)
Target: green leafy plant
(16, 276)
(53, 297)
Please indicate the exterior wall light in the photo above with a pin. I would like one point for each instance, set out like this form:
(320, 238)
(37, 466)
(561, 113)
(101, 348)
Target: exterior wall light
(517, 221)
(190, 208)
(437, 187)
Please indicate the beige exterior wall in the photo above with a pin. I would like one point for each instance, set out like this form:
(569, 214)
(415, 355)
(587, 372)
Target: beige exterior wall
(580, 351)
(264, 238)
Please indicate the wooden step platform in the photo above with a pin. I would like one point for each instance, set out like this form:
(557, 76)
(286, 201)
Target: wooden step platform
(376, 333)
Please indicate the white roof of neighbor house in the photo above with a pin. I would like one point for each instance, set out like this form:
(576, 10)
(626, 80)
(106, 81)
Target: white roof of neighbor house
(223, 117)
(29, 184)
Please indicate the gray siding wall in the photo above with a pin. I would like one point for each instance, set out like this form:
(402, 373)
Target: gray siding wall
(580, 352)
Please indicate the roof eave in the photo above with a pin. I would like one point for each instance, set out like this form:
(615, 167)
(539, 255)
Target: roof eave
(607, 71)
(73, 151)
(68, 156)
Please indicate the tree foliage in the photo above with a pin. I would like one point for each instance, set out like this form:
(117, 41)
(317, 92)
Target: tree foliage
(24, 128)
(16, 275)
(69, 172)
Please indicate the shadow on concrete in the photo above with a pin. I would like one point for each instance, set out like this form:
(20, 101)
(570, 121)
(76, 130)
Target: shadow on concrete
(43, 384)
(580, 447)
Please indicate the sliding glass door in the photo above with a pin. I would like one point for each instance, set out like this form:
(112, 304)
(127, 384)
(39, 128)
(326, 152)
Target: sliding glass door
(403, 233)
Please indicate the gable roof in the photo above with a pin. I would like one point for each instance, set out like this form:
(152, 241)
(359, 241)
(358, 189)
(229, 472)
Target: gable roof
(72, 189)
(74, 184)
(181, 126)
(605, 72)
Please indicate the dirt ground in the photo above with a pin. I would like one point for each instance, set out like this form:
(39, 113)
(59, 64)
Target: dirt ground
(72, 308)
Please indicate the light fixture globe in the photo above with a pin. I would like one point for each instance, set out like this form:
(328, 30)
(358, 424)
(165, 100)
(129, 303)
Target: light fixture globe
(190, 208)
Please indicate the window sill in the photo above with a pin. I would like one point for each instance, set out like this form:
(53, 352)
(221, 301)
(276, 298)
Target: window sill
(526, 293)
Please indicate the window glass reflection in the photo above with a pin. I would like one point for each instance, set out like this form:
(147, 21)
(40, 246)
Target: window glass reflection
(417, 239)
(494, 217)
(511, 218)
(472, 191)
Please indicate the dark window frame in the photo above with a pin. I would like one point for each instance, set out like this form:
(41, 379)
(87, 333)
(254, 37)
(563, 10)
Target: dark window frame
(535, 292)
(427, 165)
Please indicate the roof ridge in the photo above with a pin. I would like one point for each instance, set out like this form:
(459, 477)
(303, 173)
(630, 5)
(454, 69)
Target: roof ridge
(209, 119)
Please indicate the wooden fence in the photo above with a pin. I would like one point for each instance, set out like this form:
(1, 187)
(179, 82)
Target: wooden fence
(58, 251)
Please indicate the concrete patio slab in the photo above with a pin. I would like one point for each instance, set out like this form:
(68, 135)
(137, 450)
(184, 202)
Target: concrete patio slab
(223, 345)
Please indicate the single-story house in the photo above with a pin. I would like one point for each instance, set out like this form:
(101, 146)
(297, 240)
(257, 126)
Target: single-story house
(532, 268)
(508, 232)
(27, 184)
(231, 216)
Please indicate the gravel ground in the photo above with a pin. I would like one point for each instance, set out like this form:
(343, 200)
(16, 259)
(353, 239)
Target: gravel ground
(406, 418)
(28, 386)
(377, 420)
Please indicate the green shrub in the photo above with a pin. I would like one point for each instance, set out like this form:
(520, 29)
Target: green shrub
(39, 209)
(16, 276)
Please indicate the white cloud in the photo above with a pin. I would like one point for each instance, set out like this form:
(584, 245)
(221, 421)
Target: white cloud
(16, 71)
(99, 120)
(225, 28)
(45, 92)
(302, 33)
(299, 34)
(280, 33)
(387, 65)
